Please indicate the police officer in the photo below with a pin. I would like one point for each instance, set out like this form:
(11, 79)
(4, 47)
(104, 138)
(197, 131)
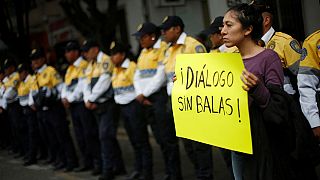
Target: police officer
(45, 97)
(98, 97)
(18, 125)
(284, 45)
(149, 83)
(309, 86)
(29, 115)
(214, 33)
(5, 128)
(173, 31)
(131, 110)
(85, 127)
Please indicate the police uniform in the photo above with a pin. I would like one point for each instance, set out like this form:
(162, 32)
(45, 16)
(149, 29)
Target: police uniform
(150, 82)
(289, 52)
(199, 153)
(86, 130)
(131, 111)
(5, 133)
(29, 115)
(45, 95)
(17, 125)
(98, 90)
(308, 78)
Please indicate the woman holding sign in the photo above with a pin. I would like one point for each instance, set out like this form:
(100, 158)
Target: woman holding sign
(243, 29)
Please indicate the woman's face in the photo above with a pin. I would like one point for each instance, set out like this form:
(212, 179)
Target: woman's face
(117, 58)
(147, 40)
(232, 31)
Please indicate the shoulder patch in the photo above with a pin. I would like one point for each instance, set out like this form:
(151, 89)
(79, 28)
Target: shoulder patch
(200, 49)
(294, 44)
(44, 75)
(271, 45)
(304, 54)
(105, 66)
(318, 47)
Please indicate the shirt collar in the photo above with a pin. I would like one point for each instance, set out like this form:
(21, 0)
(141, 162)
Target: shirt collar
(77, 62)
(43, 67)
(125, 63)
(27, 78)
(12, 74)
(99, 57)
(182, 38)
(222, 48)
(157, 45)
(268, 35)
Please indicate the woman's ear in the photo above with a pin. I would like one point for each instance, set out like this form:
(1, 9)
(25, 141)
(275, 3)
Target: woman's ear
(248, 30)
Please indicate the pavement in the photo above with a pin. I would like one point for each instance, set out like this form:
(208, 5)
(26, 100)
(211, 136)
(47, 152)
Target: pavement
(12, 169)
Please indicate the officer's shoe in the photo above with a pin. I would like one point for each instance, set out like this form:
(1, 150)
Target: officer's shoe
(146, 176)
(59, 167)
(119, 171)
(68, 169)
(30, 162)
(108, 176)
(83, 169)
(96, 171)
(134, 175)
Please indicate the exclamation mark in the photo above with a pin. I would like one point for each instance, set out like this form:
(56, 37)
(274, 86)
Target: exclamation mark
(181, 76)
(238, 109)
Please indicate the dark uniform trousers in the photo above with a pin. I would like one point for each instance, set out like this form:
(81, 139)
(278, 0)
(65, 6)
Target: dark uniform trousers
(5, 133)
(60, 142)
(18, 127)
(136, 128)
(87, 136)
(33, 132)
(164, 132)
(110, 149)
(200, 154)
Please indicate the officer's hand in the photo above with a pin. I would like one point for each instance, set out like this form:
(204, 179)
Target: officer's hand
(146, 102)
(140, 98)
(88, 105)
(65, 103)
(33, 107)
(249, 80)
(174, 78)
(94, 106)
(1, 110)
(316, 132)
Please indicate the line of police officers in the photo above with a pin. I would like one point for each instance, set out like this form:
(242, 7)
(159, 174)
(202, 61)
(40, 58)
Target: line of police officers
(97, 87)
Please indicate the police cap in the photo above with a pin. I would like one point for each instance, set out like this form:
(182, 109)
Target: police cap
(72, 45)
(36, 54)
(8, 63)
(23, 67)
(146, 28)
(215, 26)
(118, 47)
(88, 44)
(263, 7)
(171, 21)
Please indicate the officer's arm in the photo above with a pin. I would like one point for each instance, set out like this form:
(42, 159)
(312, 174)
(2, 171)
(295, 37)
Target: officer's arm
(30, 99)
(78, 91)
(307, 84)
(64, 92)
(100, 87)
(3, 103)
(137, 82)
(10, 93)
(292, 53)
(157, 81)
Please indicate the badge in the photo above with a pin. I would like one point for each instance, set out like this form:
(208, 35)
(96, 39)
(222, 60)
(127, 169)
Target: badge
(105, 65)
(139, 27)
(304, 54)
(112, 45)
(271, 45)
(165, 19)
(199, 49)
(294, 44)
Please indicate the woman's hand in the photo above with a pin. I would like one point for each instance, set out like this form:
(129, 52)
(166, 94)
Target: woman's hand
(249, 80)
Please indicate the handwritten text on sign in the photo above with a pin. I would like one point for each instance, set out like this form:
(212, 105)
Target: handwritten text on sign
(209, 104)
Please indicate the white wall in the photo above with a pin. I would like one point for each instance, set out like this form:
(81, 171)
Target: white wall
(311, 16)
